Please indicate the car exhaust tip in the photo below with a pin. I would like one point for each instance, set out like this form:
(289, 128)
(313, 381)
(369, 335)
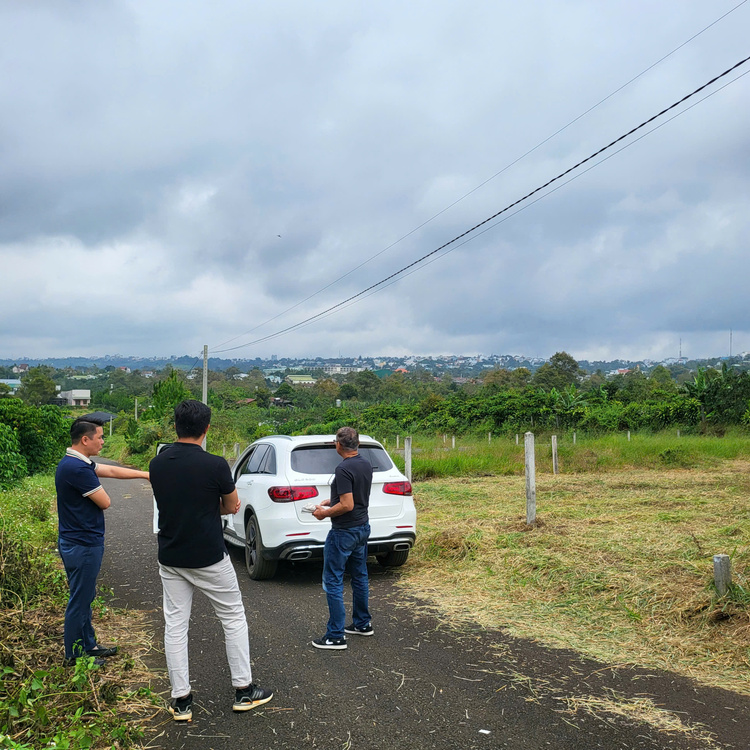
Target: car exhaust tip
(401, 547)
(301, 555)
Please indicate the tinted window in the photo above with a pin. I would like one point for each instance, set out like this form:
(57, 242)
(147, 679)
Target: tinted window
(377, 457)
(269, 462)
(256, 459)
(323, 459)
(245, 461)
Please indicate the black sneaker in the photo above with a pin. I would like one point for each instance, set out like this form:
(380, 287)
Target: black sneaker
(353, 630)
(331, 643)
(248, 698)
(102, 651)
(182, 708)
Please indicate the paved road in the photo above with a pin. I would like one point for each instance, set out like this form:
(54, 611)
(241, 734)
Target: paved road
(416, 684)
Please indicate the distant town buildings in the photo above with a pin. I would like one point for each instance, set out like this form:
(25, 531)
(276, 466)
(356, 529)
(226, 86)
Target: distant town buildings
(12, 383)
(304, 380)
(76, 397)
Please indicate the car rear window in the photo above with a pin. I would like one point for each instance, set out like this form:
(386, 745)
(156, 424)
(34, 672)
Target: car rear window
(323, 459)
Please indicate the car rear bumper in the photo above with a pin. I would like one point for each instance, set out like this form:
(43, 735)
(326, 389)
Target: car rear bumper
(309, 550)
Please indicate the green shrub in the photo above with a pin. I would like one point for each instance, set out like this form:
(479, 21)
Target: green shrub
(140, 437)
(26, 528)
(12, 463)
(42, 431)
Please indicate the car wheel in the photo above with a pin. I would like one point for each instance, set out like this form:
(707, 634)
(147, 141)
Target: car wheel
(257, 568)
(393, 558)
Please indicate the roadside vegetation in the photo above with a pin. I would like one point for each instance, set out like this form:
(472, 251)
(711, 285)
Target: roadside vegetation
(42, 703)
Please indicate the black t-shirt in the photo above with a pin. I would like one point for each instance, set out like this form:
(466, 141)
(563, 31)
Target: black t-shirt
(188, 484)
(353, 474)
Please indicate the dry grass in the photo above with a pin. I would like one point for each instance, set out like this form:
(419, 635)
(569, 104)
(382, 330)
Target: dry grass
(118, 696)
(618, 567)
(641, 711)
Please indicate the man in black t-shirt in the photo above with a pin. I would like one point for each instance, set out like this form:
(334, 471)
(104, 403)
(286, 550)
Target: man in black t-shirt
(193, 489)
(346, 544)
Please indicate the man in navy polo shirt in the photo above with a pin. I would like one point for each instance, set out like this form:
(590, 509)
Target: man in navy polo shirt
(81, 502)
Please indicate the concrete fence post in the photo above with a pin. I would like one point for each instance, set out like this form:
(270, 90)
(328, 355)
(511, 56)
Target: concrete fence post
(453, 441)
(722, 573)
(407, 457)
(554, 455)
(574, 438)
(528, 441)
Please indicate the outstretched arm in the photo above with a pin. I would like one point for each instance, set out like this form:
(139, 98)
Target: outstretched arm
(119, 472)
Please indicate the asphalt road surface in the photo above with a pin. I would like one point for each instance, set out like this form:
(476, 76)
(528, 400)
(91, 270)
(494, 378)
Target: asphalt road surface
(416, 684)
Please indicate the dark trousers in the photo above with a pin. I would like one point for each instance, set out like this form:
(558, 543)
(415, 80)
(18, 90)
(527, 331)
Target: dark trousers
(82, 566)
(346, 551)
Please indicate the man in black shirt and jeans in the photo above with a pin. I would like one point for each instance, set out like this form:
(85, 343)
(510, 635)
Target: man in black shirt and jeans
(346, 544)
(193, 489)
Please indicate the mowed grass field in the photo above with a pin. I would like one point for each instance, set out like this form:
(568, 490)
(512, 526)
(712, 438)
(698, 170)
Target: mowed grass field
(619, 565)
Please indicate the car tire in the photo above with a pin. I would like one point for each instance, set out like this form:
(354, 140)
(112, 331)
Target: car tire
(393, 558)
(258, 568)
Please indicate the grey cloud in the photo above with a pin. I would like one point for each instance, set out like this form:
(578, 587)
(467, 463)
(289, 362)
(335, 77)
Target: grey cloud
(190, 138)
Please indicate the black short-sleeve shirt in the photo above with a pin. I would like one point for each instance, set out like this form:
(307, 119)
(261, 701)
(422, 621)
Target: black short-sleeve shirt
(188, 484)
(353, 474)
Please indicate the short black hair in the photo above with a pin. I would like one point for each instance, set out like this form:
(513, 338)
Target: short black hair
(83, 427)
(191, 418)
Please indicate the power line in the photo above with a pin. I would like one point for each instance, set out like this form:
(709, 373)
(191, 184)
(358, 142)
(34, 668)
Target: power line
(351, 302)
(485, 182)
(494, 216)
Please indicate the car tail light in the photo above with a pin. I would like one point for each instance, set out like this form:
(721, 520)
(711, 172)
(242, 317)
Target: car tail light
(397, 488)
(291, 494)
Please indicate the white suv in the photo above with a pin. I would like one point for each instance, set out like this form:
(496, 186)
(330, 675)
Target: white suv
(278, 476)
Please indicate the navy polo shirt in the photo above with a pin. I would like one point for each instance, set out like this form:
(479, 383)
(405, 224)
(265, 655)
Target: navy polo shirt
(80, 519)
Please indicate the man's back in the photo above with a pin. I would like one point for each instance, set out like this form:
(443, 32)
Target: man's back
(353, 475)
(188, 484)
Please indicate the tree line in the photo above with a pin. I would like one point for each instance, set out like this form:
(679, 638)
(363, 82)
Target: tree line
(558, 395)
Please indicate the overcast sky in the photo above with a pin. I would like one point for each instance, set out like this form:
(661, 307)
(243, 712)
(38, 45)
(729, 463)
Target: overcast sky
(174, 174)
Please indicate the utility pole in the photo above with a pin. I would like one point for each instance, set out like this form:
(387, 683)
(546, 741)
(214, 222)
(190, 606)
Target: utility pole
(205, 381)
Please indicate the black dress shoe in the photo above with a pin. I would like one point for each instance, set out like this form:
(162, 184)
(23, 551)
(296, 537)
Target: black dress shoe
(72, 661)
(102, 651)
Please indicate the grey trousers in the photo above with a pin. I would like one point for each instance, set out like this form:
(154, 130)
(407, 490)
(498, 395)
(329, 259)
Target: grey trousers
(219, 583)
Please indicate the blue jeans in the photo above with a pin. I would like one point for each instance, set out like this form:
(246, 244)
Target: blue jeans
(82, 566)
(346, 551)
